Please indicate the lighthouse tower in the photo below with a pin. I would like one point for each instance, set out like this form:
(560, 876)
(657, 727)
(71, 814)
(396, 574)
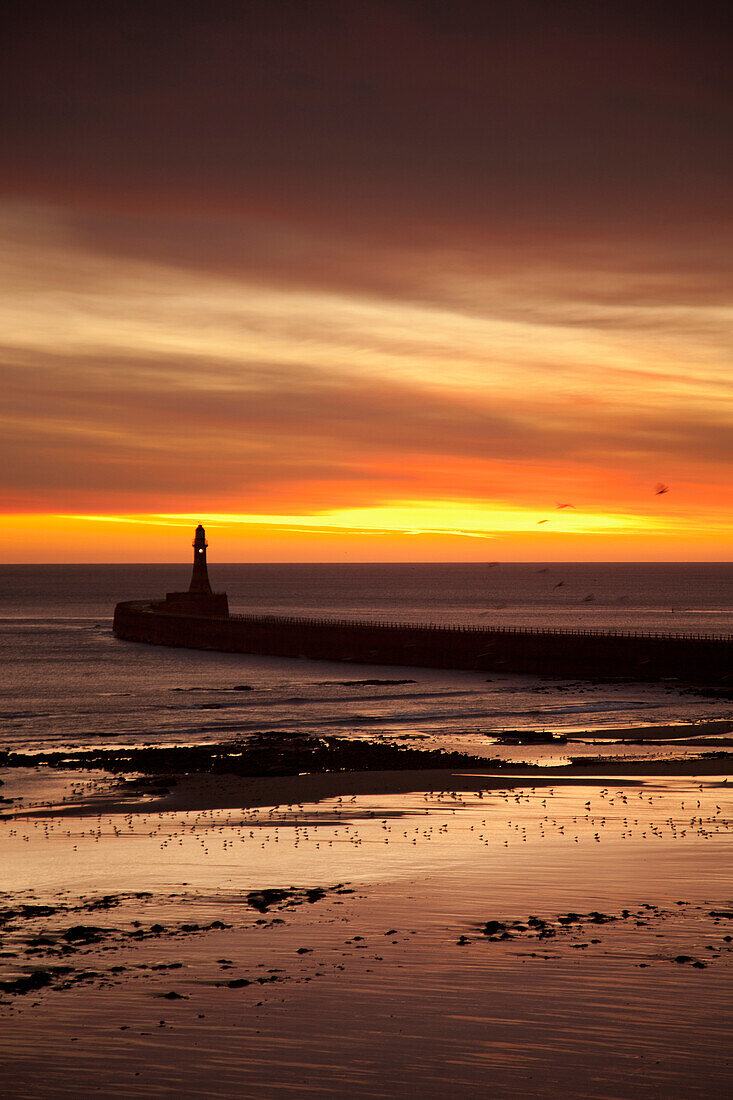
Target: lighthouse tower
(200, 576)
(199, 600)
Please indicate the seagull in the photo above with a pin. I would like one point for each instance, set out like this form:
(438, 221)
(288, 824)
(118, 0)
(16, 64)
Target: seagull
(661, 488)
(566, 505)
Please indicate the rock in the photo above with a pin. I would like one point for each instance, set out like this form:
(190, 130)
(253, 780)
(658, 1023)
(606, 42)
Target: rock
(492, 927)
(37, 910)
(109, 901)
(38, 980)
(83, 933)
(263, 899)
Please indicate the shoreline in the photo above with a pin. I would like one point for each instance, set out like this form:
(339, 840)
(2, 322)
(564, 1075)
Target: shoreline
(172, 791)
(212, 917)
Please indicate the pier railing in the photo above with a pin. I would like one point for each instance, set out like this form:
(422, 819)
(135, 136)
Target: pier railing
(700, 658)
(464, 628)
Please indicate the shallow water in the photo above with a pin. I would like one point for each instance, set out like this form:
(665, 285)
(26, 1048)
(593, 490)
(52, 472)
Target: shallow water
(74, 685)
(376, 838)
(392, 989)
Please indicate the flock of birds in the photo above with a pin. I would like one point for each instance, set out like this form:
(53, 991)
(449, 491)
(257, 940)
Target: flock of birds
(659, 490)
(493, 818)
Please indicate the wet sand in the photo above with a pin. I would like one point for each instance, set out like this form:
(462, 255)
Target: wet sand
(444, 932)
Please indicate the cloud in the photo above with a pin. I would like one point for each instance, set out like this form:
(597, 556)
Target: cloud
(77, 425)
(378, 115)
(352, 253)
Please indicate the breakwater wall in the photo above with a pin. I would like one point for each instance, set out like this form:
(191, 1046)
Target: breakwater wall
(690, 658)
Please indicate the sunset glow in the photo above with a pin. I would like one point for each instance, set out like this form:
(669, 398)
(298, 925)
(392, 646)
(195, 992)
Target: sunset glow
(406, 531)
(464, 350)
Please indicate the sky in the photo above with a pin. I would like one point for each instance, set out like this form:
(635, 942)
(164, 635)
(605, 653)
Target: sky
(382, 281)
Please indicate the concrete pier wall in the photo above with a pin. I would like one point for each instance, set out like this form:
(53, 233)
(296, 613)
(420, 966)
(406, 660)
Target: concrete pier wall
(693, 659)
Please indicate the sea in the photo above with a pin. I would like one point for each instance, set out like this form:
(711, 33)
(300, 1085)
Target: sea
(67, 683)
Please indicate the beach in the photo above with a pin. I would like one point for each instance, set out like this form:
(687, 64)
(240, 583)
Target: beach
(369, 933)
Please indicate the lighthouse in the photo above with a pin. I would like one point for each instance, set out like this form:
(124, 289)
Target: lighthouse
(200, 575)
(199, 599)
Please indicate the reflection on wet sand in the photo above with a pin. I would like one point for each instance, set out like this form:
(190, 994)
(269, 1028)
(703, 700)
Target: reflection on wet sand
(360, 837)
(534, 935)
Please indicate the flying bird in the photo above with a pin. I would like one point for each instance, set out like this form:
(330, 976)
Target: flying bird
(565, 505)
(539, 521)
(661, 488)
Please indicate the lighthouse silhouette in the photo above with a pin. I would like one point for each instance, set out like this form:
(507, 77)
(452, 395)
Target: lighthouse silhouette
(200, 576)
(200, 599)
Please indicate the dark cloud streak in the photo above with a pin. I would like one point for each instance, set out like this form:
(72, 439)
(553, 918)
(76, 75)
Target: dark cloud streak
(363, 113)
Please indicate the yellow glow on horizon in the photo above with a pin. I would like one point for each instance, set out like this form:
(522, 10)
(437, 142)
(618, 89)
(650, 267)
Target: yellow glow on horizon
(438, 531)
(412, 518)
